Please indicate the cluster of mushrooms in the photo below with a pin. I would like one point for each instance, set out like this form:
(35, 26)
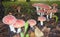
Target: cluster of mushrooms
(16, 23)
(42, 9)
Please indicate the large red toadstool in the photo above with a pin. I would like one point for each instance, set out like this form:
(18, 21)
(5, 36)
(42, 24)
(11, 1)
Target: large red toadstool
(45, 6)
(9, 20)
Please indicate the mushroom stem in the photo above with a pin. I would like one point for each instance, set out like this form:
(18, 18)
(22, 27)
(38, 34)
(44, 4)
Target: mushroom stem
(32, 27)
(51, 15)
(53, 7)
(12, 28)
(19, 30)
(41, 23)
(47, 17)
(19, 11)
(42, 14)
(37, 8)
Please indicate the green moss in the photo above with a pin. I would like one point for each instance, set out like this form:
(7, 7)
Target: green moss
(7, 3)
(27, 6)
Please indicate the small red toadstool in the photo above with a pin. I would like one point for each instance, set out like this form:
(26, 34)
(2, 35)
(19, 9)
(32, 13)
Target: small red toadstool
(41, 19)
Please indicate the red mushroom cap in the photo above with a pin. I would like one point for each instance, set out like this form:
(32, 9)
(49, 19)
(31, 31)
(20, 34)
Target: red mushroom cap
(41, 5)
(54, 10)
(32, 22)
(41, 18)
(48, 12)
(9, 19)
(19, 23)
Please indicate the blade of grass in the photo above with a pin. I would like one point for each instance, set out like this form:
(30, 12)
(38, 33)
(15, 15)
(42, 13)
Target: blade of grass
(56, 17)
(26, 26)
(22, 34)
(27, 35)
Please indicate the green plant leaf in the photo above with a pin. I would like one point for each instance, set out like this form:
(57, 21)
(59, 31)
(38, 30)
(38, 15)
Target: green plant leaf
(26, 26)
(56, 18)
(27, 35)
(22, 34)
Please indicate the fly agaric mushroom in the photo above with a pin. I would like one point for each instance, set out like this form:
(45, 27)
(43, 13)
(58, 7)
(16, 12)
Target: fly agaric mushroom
(37, 7)
(18, 24)
(48, 13)
(32, 23)
(41, 11)
(41, 19)
(41, 6)
(9, 20)
(53, 11)
(54, 5)
(44, 6)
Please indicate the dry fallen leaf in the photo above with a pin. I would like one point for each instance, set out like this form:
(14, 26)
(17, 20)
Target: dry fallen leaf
(38, 32)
